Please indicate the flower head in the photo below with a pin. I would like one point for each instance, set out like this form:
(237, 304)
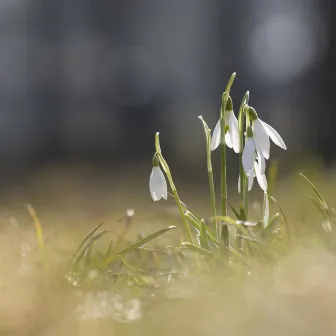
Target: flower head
(157, 182)
(251, 152)
(256, 172)
(231, 131)
(262, 132)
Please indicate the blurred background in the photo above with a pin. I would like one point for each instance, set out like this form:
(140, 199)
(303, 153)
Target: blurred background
(91, 81)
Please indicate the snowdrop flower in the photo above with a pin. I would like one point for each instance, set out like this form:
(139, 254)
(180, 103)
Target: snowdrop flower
(231, 132)
(257, 172)
(157, 182)
(251, 152)
(262, 132)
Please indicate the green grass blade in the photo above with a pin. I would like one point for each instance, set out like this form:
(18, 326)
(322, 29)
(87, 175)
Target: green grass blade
(283, 216)
(38, 226)
(197, 226)
(317, 193)
(133, 247)
(266, 210)
(203, 235)
(234, 211)
(187, 208)
(320, 208)
(271, 225)
(86, 239)
(197, 249)
(88, 246)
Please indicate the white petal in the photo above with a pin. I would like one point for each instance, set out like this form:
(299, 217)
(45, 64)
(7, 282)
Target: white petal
(216, 135)
(250, 180)
(261, 178)
(261, 161)
(157, 184)
(274, 135)
(261, 138)
(249, 155)
(233, 130)
(228, 140)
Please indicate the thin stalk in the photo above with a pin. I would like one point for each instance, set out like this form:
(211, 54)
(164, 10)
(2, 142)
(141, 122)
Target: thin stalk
(225, 97)
(172, 186)
(245, 190)
(212, 185)
(207, 132)
(243, 177)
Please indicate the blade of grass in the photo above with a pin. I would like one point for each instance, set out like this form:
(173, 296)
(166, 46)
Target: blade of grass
(203, 236)
(111, 258)
(86, 239)
(38, 226)
(283, 217)
(317, 193)
(271, 225)
(197, 226)
(196, 249)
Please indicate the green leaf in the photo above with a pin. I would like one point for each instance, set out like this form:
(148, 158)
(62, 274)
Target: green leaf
(283, 216)
(186, 208)
(86, 239)
(197, 225)
(320, 208)
(317, 193)
(133, 247)
(196, 249)
(234, 211)
(271, 225)
(203, 235)
(88, 247)
(266, 210)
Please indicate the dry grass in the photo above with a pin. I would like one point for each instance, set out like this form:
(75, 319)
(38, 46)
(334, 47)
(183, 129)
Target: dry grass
(294, 296)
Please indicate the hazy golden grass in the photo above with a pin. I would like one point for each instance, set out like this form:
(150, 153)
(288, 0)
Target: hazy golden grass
(294, 296)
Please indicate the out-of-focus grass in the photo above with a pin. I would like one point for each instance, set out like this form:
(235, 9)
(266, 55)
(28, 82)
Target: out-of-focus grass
(42, 293)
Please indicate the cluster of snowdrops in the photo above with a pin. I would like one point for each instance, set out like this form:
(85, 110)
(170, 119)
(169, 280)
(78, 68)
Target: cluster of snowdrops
(249, 137)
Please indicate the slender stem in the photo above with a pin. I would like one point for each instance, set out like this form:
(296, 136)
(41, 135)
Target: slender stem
(225, 97)
(207, 132)
(245, 190)
(165, 167)
(212, 185)
(242, 175)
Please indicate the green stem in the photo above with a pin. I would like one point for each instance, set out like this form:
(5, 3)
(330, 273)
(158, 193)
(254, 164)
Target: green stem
(207, 132)
(242, 175)
(172, 186)
(225, 97)
(212, 187)
(245, 190)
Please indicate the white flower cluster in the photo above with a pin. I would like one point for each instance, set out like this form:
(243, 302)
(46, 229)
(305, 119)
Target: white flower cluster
(257, 145)
(255, 153)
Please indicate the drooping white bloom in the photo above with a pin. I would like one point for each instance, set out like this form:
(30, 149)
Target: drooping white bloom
(251, 152)
(256, 172)
(157, 184)
(262, 132)
(231, 134)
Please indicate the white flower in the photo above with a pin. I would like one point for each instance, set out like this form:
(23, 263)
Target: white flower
(231, 135)
(262, 132)
(251, 152)
(157, 184)
(256, 172)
